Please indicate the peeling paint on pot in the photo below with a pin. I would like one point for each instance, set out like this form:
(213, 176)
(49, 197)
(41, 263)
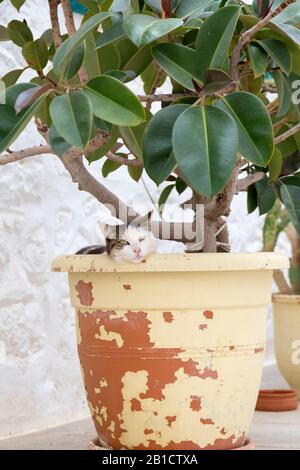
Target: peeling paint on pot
(175, 361)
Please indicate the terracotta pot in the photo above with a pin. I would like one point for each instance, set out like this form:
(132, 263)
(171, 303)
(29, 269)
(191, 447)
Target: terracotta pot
(172, 349)
(276, 400)
(287, 338)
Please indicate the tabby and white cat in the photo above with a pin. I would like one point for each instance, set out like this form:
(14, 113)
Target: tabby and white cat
(132, 244)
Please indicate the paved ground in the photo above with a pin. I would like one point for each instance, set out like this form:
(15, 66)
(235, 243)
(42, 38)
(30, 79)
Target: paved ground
(270, 431)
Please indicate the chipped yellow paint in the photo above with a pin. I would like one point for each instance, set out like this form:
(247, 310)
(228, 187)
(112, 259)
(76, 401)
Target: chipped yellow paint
(287, 337)
(202, 327)
(109, 336)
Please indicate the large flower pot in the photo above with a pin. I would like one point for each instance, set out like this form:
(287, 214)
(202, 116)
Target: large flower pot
(172, 349)
(287, 337)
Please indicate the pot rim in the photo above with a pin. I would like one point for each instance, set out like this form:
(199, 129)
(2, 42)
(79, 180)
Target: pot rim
(285, 299)
(175, 262)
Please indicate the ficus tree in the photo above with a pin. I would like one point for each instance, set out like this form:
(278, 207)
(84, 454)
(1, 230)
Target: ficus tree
(219, 131)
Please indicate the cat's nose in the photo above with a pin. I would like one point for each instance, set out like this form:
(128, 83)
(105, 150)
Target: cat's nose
(137, 251)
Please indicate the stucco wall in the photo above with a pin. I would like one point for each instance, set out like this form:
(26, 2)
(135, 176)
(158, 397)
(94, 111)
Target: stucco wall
(42, 214)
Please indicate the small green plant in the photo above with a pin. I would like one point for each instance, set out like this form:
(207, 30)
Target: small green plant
(217, 124)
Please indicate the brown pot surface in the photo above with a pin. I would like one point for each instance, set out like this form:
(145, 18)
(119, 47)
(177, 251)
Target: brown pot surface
(276, 400)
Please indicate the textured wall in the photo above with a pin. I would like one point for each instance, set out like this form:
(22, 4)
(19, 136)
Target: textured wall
(42, 215)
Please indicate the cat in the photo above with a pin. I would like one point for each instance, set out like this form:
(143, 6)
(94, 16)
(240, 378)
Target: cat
(133, 244)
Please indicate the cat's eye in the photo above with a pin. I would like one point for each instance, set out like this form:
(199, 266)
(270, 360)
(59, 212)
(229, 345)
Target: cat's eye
(123, 242)
(141, 239)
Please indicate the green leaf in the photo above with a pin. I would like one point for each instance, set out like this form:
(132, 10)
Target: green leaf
(179, 62)
(152, 78)
(17, 3)
(265, 196)
(36, 54)
(188, 7)
(256, 142)
(290, 196)
(133, 137)
(111, 35)
(12, 124)
(75, 63)
(135, 173)
(180, 186)
(252, 199)
(4, 36)
(12, 77)
(275, 165)
(109, 58)
(164, 196)
(72, 116)
(205, 145)
(258, 59)
(57, 142)
(279, 53)
(109, 144)
(284, 93)
(215, 81)
(214, 38)
(138, 61)
(64, 54)
(109, 167)
(114, 102)
(144, 29)
(19, 32)
(159, 160)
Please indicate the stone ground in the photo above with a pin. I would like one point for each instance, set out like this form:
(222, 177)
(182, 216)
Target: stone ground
(269, 431)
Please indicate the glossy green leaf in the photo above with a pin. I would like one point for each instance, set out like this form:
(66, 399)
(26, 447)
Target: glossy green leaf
(12, 77)
(152, 78)
(275, 165)
(144, 29)
(214, 38)
(12, 124)
(135, 173)
(290, 196)
(114, 102)
(284, 93)
(72, 116)
(17, 3)
(254, 125)
(159, 160)
(251, 199)
(64, 54)
(258, 59)
(164, 196)
(4, 36)
(75, 63)
(57, 142)
(205, 145)
(215, 81)
(133, 137)
(188, 7)
(179, 62)
(109, 58)
(266, 196)
(109, 166)
(279, 53)
(19, 32)
(36, 54)
(114, 33)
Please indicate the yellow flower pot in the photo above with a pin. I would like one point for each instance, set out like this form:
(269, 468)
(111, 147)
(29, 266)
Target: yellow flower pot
(287, 337)
(172, 349)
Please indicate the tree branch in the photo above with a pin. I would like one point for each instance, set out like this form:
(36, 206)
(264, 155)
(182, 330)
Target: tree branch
(53, 4)
(135, 163)
(287, 134)
(163, 97)
(21, 154)
(243, 184)
(281, 282)
(248, 35)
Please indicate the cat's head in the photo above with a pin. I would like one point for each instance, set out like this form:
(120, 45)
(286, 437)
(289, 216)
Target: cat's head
(130, 243)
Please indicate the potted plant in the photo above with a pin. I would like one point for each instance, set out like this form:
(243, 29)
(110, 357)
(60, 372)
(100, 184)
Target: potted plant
(172, 348)
(287, 301)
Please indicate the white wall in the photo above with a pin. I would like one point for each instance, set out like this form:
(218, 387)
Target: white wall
(42, 215)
